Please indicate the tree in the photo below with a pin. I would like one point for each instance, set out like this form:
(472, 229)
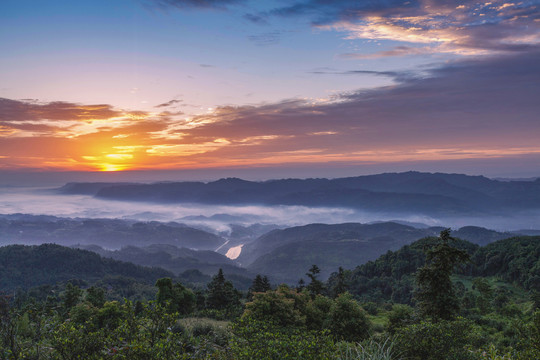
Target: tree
(279, 307)
(260, 284)
(341, 285)
(177, 297)
(486, 294)
(347, 320)
(315, 287)
(221, 293)
(72, 295)
(95, 296)
(436, 297)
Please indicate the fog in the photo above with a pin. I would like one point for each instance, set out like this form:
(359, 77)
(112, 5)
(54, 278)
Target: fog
(41, 201)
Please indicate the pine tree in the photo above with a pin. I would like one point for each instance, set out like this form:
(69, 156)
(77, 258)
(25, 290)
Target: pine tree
(221, 293)
(259, 284)
(436, 297)
(316, 286)
(341, 284)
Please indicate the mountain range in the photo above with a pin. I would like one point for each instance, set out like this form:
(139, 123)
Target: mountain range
(423, 193)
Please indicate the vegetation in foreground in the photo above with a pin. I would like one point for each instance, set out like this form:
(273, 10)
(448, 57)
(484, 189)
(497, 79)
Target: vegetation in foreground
(444, 300)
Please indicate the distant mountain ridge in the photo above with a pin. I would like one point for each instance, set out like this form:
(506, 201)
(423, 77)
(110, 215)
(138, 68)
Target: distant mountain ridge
(426, 193)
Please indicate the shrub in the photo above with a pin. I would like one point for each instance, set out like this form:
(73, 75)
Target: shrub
(443, 340)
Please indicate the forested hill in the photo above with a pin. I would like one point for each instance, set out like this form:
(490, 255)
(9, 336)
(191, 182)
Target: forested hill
(29, 266)
(395, 192)
(285, 254)
(392, 276)
(515, 259)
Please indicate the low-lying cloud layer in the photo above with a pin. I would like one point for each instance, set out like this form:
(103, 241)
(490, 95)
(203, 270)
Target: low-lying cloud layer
(217, 218)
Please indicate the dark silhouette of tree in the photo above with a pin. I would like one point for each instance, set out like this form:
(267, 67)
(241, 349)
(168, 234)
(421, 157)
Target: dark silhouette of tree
(341, 284)
(436, 296)
(221, 293)
(315, 287)
(95, 296)
(301, 285)
(72, 294)
(176, 296)
(260, 284)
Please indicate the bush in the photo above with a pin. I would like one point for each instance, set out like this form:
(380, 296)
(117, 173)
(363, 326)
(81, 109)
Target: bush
(347, 321)
(262, 341)
(443, 340)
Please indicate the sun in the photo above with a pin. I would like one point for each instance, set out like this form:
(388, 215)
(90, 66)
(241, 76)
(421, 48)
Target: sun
(110, 162)
(111, 167)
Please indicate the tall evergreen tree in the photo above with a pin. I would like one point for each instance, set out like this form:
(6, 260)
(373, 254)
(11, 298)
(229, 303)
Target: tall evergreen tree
(315, 286)
(341, 284)
(436, 297)
(221, 293)
(260, 284)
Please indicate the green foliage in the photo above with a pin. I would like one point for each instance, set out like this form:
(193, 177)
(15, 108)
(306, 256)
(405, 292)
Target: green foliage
(400, 316)
(531, 337)
(95, 296)
(288, 308)
(392, 276)
(443, 340)
(316, 311)
(347, 320)
(436, 297)
(515, 259)
(260, 284)
(177, 297)
(222, 294)
(28, 266)
(367, 350)
(340, 284)
(71, 295)
(483, 301)
(315, 286)
(282, 307)
(260, 340)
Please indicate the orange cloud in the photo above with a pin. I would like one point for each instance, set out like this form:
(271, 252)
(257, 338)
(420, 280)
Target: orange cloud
(470, 109)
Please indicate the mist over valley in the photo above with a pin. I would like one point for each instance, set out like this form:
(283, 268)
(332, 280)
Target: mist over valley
(278, 227)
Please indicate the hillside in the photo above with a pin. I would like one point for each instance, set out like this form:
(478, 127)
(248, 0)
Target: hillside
(174, 259)
(287, 254)
(29, 266)
(392, 276)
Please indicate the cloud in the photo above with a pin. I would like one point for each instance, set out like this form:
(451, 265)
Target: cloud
(168, 103)
(396, 51)
(468, 109)
(259, 19)
(466, 27)
(20, 110)
(194, 4)
(269, 38)
(396, 75)
(477, 108)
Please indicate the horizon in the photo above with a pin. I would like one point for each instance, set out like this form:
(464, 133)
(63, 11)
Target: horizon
(46, 179)
(305, 89)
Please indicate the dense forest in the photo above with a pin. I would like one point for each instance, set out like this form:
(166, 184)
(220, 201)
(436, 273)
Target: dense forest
(436, 298)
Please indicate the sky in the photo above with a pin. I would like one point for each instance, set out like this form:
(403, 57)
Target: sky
(269, 88)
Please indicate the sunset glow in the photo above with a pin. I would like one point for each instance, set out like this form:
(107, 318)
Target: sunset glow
(241, 84)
